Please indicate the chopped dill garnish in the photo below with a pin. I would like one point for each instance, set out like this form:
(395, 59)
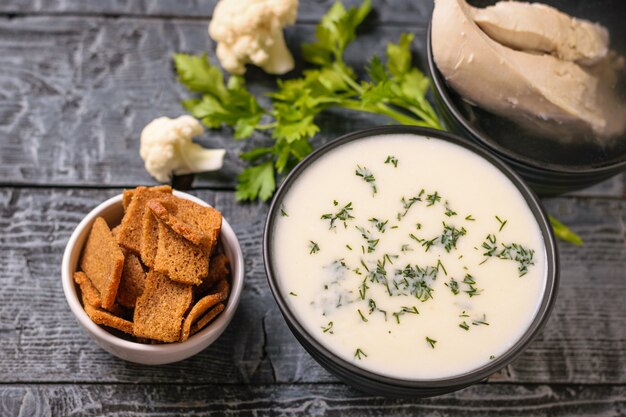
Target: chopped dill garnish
(371, 242)
(490, 245)
(463, 314)
(431, 342)
(359, 353)
(433, 198)
(328, 327)
(410, 310)
(387, 258)
(343, 215)
(514, 252)
(470, 218)
(407, 204)
(491, 357)
(314, 247)
(428, 243)
(453, 285)
(283, 212)
(502, 223)
(464, 326)
(415, 238)
(406, 248)
(450, 236)
(440, 264)
(397, 315)
(349, 247)
(293, 294)
(379, 224)
(365, 266)
(449, 212)
(481, 321)
(471, 284)
(392, 160)
(373, 307)
(405, 310)
(363, 289)
(367, 176)
(362, 316)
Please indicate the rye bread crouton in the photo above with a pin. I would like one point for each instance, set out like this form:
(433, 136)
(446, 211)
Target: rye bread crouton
(219, 269)
(203, 305)
(207, 318)
(180, 259)
(127, 196)
(90, 294)
(130, 233)
(149, 238)
(132, 282)
(160, 309)
(102, 261)
(199, 224)
(105, 318)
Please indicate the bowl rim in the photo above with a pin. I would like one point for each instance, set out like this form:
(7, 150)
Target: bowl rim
(476, 375)
(441, 90)
(204, 337)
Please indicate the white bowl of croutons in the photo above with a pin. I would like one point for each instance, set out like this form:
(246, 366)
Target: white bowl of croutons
(153, 275)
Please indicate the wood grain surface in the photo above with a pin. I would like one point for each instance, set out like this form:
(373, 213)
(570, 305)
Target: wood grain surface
(78, 81)
(386, 11)
(306, 400)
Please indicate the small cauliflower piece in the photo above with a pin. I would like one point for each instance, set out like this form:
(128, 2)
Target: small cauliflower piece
(251, 31)
(167, 149)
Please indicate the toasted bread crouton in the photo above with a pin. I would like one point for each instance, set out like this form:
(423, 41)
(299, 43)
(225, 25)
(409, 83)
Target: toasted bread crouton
(132, 282)
(203, 305)
(160, 309)
(130, 233)
(90, 294)
(180, 259)
(102, 261)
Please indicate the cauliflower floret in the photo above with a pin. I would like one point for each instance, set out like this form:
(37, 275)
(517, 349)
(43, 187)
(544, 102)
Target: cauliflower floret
(166, 148)
(251, 31)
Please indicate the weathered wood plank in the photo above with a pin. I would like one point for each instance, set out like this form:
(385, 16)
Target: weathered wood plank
(76, 92)
(296, 400)
(386, 11)
(584, 341)
(613, 187)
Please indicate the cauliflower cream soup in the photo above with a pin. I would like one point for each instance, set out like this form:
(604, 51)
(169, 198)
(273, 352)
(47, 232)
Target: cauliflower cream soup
(408, 256)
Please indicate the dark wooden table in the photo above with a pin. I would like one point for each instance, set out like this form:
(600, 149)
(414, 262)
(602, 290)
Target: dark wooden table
(78, 81)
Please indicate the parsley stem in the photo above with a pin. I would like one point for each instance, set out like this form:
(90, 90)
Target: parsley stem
(385, 111)
(267, 126)
(381, 108)
(431, 119)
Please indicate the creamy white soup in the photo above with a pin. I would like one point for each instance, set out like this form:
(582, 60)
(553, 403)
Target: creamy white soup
(408, 256)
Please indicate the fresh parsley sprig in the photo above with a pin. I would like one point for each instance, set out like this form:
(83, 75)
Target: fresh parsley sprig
(395, 89)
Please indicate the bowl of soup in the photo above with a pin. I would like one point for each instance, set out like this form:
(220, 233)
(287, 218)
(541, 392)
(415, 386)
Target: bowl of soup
(408, 262)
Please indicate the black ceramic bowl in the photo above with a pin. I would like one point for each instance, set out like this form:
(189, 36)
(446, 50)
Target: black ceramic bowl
(382, 385)
(549, 166)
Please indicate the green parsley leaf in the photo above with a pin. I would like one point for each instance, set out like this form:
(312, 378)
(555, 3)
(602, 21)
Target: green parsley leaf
(399, 55)
(198, 75)
(564, 233)
(256, 182)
